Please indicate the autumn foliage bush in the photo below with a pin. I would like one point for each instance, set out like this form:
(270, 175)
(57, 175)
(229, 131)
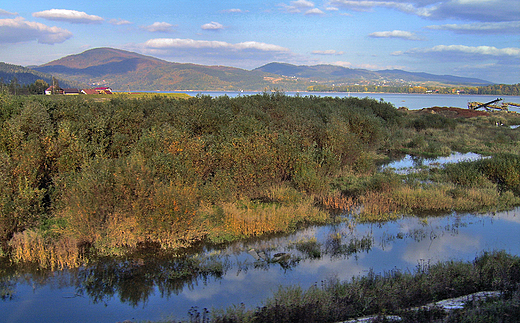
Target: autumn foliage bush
(124, 171)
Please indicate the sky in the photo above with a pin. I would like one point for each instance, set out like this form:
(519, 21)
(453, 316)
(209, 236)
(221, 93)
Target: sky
(470, 38)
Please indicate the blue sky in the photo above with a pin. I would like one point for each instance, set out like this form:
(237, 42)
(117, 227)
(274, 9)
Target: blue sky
(472, 38)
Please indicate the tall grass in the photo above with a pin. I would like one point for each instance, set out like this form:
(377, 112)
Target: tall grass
(32, 247)
(233, 221)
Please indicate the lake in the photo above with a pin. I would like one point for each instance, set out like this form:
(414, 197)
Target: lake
(411, 101)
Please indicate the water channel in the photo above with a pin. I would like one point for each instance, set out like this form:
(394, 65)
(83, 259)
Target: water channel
(154, 289)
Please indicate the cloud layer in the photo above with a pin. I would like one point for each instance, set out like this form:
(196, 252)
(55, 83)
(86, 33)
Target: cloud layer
(19, 30)
(476, 10)
(250, 54)
(172, 43)
(327, 52)
(506, 27)
(4, 13)
(508, 55)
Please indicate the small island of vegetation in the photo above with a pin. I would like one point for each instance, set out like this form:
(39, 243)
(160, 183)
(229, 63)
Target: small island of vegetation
(83, 178)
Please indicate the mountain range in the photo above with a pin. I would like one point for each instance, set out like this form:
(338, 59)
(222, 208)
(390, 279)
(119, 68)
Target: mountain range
(336, 73)
(129, 71)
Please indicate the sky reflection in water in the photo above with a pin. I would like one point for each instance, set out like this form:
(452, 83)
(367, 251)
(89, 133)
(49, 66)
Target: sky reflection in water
(409, 163)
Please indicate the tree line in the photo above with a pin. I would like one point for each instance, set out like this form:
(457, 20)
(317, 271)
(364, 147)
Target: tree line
(16, 88)
(495, 89)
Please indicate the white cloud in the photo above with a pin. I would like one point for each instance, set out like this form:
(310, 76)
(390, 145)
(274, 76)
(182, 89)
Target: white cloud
(327, 52)
(302, 4)
(250, 54)
(170, 43)
(159, 27)
(72, 16)
(467, 51)
(477, 10)
(500, 65)
(343, 63)
(234, 11)
(297, 6)
(394, 34)
(19, 30)
(212, 26)
(314, 11)
(506, 27)
(119, 22)
(7, 13)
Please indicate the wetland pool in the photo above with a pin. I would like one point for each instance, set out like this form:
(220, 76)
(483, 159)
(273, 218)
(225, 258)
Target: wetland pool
(159, 289)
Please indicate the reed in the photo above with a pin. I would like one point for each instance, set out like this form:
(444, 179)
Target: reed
(251, 219)
(336, 202)
(377, 207)
(32, 247)
(440, 198)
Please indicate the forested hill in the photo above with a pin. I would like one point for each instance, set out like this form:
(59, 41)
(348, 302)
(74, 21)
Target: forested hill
(123, 71)
(22, 75)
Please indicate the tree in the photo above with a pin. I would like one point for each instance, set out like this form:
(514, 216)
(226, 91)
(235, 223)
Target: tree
(40, 86)
(55, 85)
(14, 85)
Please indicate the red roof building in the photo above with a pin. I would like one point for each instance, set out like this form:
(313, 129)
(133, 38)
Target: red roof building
(53, 90)
(89, 91)
(103, 90)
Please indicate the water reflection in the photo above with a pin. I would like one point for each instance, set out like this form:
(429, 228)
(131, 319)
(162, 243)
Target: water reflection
(155, 288)
(410, 163)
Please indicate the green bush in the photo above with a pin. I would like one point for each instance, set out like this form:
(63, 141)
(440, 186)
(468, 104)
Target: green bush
(434, 121)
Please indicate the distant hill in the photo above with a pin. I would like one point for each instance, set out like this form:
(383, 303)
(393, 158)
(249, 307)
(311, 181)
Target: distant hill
(123, 71)
(317, 72)
(335, 73)
(25, 76)
(129, 71)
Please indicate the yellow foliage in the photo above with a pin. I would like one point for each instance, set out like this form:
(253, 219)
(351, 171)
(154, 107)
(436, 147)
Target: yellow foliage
(252, 220)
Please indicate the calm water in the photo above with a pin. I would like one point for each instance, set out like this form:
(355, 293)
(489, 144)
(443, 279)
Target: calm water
(411, 101)
(409, 163)
(111, 293)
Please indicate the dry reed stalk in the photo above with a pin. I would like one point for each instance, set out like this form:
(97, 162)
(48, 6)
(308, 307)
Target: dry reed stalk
(31, 247)
(249, 221)
(378, 203)
(337, 202)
